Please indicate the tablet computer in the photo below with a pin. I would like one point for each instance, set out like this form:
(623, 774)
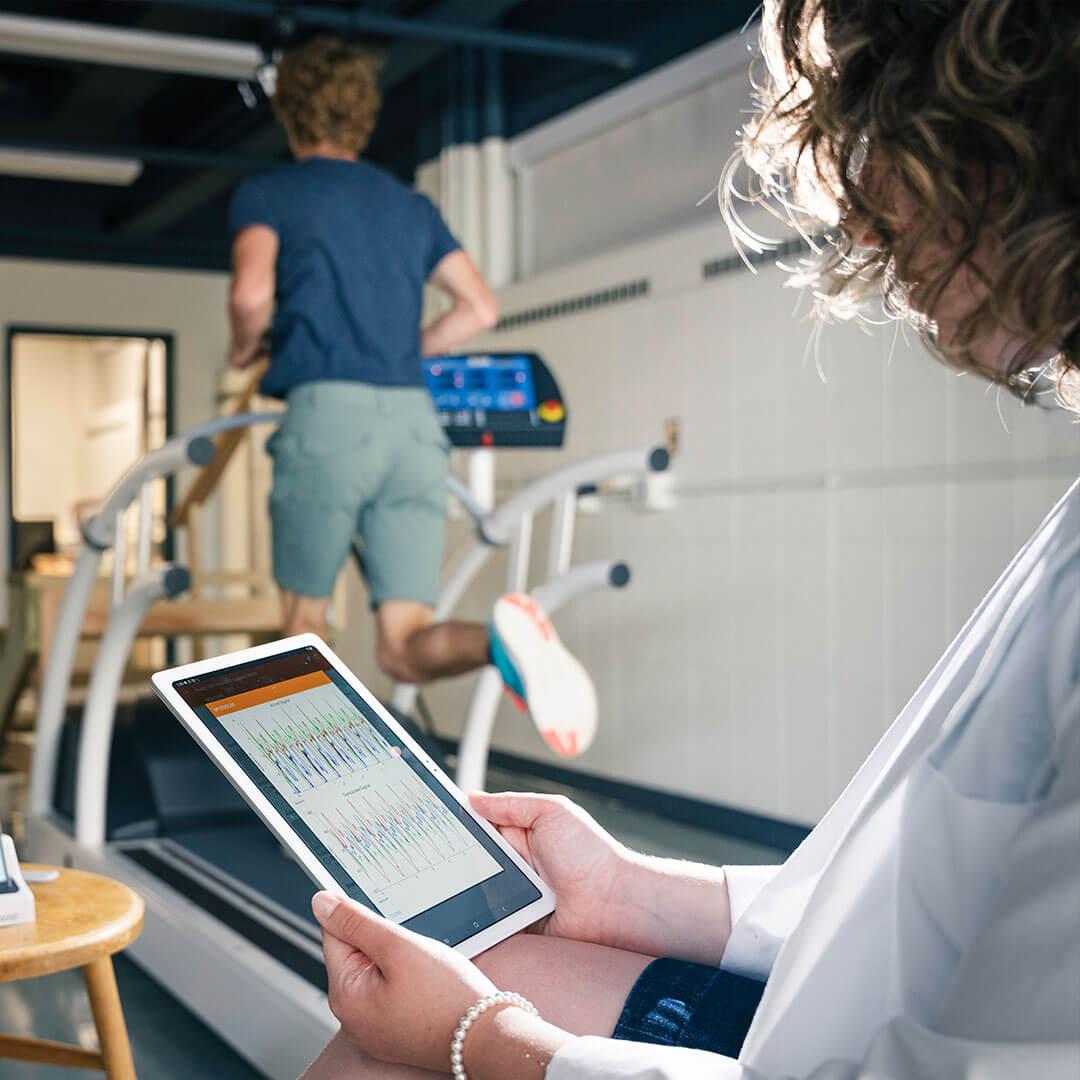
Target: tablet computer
(363, 808)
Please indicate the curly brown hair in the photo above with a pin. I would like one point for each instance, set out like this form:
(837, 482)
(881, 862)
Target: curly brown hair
(327, 92)
(941, 139)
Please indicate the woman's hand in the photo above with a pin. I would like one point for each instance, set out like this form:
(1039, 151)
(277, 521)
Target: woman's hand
(571, 853)
(400, 997)
(604, 892)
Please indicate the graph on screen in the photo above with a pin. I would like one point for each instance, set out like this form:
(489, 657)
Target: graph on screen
(392, 833)
(397, 831)
(312, 741)
(402, 843)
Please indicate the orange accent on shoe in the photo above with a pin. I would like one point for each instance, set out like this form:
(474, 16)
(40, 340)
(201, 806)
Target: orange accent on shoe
(566, 745)
(518, 701)
(531, 608)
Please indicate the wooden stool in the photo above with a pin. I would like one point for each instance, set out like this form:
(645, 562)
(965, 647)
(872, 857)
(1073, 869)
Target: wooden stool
(82, 919)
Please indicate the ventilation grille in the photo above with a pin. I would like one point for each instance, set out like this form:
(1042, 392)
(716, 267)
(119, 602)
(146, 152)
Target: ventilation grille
(573, 305)
(731, 264)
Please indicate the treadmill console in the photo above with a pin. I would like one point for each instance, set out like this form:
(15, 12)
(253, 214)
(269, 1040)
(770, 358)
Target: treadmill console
(497, 399)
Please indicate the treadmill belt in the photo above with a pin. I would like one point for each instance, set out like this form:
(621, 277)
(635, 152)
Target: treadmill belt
(251, 854)
(260, 935)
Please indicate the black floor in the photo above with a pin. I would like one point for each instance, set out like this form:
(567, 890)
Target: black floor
(167, 1041)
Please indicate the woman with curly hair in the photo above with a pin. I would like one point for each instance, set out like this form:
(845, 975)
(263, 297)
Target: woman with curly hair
(929, 927)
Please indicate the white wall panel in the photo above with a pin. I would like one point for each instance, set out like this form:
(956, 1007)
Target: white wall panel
(830, 538)
(618, 186)
(804, 692)
(857, 639)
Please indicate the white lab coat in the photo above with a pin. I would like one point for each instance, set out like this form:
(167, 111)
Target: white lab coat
(929, 927)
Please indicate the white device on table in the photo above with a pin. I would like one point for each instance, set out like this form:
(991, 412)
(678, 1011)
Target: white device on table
(16, 899)
(363, 809)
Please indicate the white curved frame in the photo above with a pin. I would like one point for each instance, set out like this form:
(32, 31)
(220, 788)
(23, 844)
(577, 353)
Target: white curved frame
(507, 526)
(99, 534)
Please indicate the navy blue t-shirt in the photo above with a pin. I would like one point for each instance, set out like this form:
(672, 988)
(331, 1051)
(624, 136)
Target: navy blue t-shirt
(355, 249)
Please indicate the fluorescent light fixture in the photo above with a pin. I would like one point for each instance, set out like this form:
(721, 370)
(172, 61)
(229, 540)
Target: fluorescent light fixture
(85, 168)
(92, 43)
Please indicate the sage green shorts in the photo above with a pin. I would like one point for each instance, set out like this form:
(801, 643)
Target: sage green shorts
(351, 459)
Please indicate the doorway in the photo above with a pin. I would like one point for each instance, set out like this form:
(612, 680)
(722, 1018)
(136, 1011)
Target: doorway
(82, 408)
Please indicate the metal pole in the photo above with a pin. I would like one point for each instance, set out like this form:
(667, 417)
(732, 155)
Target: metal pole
(520, 552)
(116, 594)
(481, 465)
(561, 542)
(54, 684)
(475, 741)
(146, 529)
(103, 44)
(95, 739)
(464, 495)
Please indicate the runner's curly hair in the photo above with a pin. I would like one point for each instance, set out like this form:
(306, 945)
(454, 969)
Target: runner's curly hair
(327, 92)
(941, 138)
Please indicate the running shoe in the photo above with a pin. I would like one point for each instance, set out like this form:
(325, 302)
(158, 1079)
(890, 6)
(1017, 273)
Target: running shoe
(541, 676)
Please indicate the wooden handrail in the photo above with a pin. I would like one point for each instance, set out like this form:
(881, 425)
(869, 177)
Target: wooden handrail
(226, 444)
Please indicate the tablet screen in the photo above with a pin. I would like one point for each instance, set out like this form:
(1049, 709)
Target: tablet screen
(357, 796)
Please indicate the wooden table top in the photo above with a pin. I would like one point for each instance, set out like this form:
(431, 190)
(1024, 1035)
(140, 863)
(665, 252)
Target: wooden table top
(80, 917)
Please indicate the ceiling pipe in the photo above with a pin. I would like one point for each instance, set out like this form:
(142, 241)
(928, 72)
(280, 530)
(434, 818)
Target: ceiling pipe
(83, 168)
(359, 20)
(94, 43)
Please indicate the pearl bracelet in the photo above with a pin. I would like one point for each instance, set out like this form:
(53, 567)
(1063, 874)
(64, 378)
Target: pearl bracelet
(504, 997)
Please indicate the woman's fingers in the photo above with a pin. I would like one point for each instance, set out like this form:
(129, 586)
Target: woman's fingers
(338, 953)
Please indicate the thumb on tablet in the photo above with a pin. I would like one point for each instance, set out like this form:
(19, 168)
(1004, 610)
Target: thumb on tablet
(512, 807)
(352, 923)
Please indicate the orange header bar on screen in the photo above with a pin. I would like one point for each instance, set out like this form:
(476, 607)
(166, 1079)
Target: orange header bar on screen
(268, 693)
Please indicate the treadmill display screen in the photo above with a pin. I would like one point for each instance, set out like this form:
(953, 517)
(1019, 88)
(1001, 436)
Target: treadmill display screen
(358, 797)
(497, 399)
(490, 383)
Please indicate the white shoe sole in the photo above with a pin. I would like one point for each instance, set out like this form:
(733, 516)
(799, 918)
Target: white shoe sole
(560, 695)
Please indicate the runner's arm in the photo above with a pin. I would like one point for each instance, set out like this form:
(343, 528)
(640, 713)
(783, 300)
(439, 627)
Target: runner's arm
(251, 293)
(473, 309)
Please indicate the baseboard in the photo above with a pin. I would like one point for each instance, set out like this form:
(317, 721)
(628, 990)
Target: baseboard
(725, 820)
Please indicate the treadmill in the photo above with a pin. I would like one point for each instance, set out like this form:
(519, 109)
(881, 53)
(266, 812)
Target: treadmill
(123, 790)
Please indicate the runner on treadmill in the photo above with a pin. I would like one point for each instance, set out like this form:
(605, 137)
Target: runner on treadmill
(330, 257)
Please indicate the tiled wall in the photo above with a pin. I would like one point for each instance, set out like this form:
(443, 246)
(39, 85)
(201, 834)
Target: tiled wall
(830, 537)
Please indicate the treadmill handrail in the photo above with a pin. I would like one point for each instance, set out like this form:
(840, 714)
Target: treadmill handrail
(98, 534)
(193, 447)
(57, 677)
(596, 468)
(557, 592)
(99, 715)
(496, 529)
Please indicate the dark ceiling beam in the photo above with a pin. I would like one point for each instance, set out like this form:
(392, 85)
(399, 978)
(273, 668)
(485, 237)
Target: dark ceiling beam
(406, 59)
(97, 89)
(190, 194)
(366, 21)
(176, 157)
(73, 245)
(402, 61)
